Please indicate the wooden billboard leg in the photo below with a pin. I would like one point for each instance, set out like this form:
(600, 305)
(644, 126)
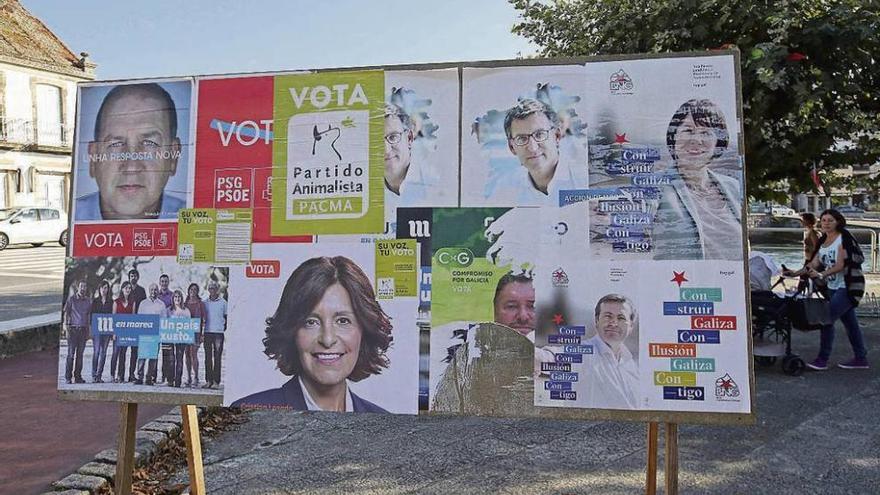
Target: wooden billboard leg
(651, 475)
(671, 459)
(125, 450)
(193, 449)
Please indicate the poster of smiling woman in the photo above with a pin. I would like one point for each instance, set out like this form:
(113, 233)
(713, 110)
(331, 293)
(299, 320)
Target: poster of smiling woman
(331, 328)
(675, 164)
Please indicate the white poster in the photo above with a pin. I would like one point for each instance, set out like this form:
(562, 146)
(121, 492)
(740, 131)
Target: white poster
(523, 135)
(312, 332)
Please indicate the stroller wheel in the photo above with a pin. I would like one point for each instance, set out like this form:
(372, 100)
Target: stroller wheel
(793, 366)
(765, 361)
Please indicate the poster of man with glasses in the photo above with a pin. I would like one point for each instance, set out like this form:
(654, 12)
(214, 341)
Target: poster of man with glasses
(421, 139)
(524, 138)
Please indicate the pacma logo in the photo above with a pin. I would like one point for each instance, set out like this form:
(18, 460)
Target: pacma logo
(263, 269)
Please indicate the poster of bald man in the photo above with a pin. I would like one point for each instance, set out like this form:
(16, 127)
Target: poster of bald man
(133, 150)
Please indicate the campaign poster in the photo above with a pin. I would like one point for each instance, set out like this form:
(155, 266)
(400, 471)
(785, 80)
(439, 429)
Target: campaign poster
(327, 328)
(420, 145)
(664, 134)
(143, 325)
(233, 161)
(421, 139)
(482, 272)
(327, 153)
(132, 163)
(523, 136)
(607, 340)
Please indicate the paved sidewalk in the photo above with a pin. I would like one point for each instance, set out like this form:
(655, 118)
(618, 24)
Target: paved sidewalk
(816, 434)
(43, 439)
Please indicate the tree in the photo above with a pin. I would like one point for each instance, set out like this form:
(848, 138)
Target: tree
(809, 68)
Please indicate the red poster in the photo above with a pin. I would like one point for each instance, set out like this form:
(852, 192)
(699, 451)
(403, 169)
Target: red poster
(234, 153)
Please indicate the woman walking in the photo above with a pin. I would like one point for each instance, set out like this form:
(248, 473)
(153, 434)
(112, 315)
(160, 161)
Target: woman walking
(837, 262)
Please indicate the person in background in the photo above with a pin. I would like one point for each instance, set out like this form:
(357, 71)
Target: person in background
(838, 263)
(138, 294)
(196, 308)
(215, 326)
(178, 309)
(124, 304)
(103, 304)
(150, 306)
(77, 318)
(811, 238)
(167, 350)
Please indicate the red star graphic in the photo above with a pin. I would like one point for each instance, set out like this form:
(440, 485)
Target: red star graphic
(678, 277)
(725, 384)
(558, 319)
(620, 138)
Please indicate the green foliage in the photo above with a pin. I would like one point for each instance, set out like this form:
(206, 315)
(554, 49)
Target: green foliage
(809, 68)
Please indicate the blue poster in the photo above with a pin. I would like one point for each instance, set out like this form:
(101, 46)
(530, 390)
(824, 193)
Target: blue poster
(128, 328)
(148, 347)
(178, 330)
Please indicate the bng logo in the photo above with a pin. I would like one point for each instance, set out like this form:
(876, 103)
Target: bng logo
(726, 389)
(621, 83)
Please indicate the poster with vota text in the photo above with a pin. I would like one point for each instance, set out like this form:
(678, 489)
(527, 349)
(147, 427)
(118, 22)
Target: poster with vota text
(332, 327)
(523, 134)
(664, 133)
(235, 132)
(143, 325)
(327, 153)
(132, 166)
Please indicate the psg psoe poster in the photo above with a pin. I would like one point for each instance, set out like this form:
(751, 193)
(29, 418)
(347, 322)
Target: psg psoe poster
(524, 238)
(134, 147)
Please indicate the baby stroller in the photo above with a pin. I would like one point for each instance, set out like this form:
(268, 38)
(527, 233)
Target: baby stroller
(771, 322)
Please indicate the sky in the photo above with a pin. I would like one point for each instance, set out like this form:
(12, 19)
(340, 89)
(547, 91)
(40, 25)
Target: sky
(166, 38)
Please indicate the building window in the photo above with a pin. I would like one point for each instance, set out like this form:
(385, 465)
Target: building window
(50, 126)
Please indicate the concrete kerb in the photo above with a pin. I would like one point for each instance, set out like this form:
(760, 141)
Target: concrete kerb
(101, 472)
(29, 334)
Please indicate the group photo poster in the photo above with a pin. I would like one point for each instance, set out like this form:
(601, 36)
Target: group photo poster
(523, 136)
(132, 165)
(668, 175)
(143, 325)
(326, 326)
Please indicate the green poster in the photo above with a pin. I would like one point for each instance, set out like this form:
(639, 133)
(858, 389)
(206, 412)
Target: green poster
(209, 235)
(396, 274)
(463, 279)
(328, 153)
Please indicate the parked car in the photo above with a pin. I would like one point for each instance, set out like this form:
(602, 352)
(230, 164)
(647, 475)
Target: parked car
(32, 225)
(850, 210)
(780, 211)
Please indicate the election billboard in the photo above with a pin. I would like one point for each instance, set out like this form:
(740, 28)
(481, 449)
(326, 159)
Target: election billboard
(558, 238)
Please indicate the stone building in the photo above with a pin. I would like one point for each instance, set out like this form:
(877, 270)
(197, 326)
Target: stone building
(38, 76)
